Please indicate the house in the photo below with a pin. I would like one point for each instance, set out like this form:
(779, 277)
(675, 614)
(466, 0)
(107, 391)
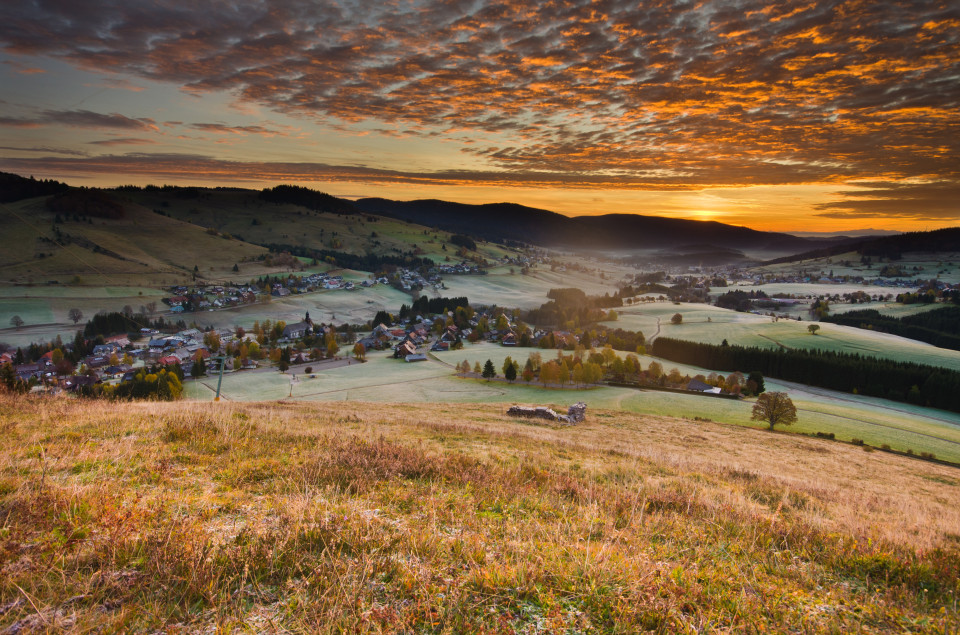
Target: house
(405, 349)
(698, 386)
(510, 339)
(119, 340)
(416, 357)
(281, 292)
(440, 346)
(169, 359)
(300, 358)
(296, 331)
(75, 382)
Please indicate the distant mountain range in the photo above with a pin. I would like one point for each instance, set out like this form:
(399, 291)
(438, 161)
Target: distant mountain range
(509, 221)
(938, 240)
(665, 239)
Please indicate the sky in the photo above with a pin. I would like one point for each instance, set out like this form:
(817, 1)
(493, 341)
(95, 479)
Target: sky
(791, 115)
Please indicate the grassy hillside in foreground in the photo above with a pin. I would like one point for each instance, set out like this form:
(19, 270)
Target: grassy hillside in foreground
(436, 518)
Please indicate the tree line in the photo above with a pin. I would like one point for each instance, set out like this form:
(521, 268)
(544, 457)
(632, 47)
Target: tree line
(359, 262)
(909, 382)
(938, 326)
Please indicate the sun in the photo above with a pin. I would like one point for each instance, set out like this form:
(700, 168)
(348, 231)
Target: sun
(704, 214)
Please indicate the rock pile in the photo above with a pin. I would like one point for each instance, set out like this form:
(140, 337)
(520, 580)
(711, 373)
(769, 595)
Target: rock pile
(575, 414)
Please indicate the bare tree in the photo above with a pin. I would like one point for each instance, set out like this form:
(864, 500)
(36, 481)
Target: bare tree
(16, 321)
(75, 314)
(151, 307)
(774, 408)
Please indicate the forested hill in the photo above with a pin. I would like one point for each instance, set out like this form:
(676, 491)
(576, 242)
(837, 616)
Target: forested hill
(509, 221)
(893, 247)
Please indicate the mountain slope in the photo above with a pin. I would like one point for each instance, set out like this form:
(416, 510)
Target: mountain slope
(938, 240)
(508, 221)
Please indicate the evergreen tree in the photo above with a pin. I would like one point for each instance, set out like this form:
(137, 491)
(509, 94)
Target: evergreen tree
(488, 370)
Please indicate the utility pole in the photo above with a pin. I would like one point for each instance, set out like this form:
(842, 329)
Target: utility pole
(223, 362)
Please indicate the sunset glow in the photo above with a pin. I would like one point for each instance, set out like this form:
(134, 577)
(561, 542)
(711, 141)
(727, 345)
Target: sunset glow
(786, 116)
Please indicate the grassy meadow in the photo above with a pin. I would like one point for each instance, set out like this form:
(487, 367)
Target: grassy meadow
(443, 518)
(943, 266)
(712, 325)
(384, 380)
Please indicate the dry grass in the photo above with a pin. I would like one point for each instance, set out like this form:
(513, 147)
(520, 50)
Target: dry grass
(451, 518)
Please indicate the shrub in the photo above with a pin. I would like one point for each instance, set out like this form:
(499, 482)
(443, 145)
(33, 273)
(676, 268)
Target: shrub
(856, 441)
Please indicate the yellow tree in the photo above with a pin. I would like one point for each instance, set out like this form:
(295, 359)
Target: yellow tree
(774, 408)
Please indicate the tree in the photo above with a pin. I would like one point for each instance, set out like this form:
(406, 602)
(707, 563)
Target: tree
(676, 319)
(755, 382)
(476, 368)
(359, 351)
(563, 373)
(774, 408)
(75, 315)
(16, 321)
(813, 328)
(199, 367)
(488, 371)
(510, 367)
(331, 342)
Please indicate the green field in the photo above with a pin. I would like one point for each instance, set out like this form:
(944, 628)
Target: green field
(521, 291)
(382, 379)
(942, 266)
(712, 325)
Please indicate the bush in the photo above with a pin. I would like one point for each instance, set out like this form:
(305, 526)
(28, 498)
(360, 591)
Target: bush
(308, 369)
(856, 441)
(826, 435)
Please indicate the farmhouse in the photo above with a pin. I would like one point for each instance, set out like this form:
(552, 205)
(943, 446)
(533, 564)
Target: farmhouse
(696, 385)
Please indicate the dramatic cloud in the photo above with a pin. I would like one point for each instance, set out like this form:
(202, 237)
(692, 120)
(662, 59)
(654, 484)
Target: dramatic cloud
(47, 150)
(79, 119)
(663, 93)
(195, 166)
(124, 141)
(935, 202)
(219, 128)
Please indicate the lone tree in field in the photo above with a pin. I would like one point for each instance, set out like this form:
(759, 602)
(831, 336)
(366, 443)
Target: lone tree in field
(676, 319)
(488, 371)
(813, 328)
(359, 351)
(16, 321)
(75, 314)
(774, 408)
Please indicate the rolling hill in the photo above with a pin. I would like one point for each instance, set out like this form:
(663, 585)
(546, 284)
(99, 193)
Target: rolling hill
(509, 221)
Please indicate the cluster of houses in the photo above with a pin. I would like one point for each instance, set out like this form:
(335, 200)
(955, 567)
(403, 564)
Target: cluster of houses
(184, 299)
(114, 359)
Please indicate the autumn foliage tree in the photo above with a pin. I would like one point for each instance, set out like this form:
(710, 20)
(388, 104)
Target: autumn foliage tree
(774, 408)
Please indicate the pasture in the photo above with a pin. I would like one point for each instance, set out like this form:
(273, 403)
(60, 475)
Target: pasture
(449, 518)
(381, 379)
(712, 325)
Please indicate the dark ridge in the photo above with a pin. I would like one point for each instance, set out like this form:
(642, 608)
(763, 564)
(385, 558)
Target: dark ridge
(14, 187)
(509, 221)
(892, 247)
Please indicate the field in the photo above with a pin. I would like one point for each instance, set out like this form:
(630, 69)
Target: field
(945, 266)
(241, 213)
(500, 288)
(381, 379)
(430, 518)
(710, 324)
